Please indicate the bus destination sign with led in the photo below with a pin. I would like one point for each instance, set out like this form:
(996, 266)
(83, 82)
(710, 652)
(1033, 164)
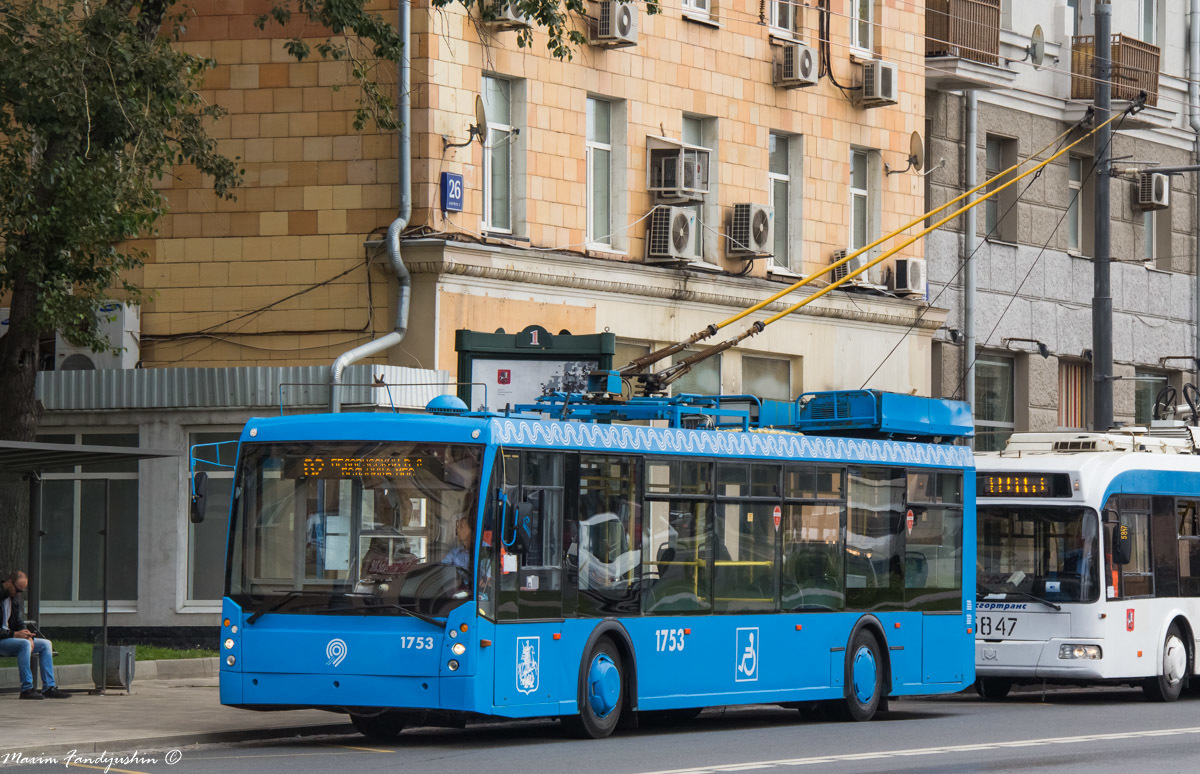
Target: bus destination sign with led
(353, 467)
(1023, 485)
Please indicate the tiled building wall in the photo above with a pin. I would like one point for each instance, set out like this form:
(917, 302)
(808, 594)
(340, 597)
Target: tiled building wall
(240, 282)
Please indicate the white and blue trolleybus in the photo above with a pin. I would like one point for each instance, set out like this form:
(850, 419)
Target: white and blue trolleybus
(1089, 560)
(562, 561)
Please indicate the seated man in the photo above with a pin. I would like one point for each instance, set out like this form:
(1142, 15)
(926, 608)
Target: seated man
(460, 555)
(17, 640)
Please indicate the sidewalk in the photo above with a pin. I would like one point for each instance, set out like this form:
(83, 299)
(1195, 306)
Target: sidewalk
(159, 714)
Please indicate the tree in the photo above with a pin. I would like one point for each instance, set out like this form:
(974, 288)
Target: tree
(97, 104)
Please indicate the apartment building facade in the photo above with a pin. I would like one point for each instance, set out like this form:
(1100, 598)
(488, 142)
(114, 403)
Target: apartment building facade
(1034, 244)
(257, 295)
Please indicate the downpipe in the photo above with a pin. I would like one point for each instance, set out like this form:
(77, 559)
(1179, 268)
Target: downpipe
(404, 180)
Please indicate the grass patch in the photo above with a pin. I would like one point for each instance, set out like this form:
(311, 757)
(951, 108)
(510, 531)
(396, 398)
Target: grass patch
(81, 653)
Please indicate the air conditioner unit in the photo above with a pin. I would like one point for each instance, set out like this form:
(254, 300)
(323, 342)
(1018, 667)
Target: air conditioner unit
(505, 15)
(671, 235)
(842, 271)
(675, 171)
(617, 24)
(752, 230)
(121, 324)
(795, 66)
(1153, 191)
(909, 277)
(879, 84)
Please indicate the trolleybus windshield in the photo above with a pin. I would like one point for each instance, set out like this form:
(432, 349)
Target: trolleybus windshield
(366, 527)
(1045, 552)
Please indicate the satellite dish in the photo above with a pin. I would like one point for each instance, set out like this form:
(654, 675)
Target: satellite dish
(916, 151)
(481, 122)
(1036, 51)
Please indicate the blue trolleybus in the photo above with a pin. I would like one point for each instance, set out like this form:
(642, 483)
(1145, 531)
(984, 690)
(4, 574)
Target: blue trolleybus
(432, 568)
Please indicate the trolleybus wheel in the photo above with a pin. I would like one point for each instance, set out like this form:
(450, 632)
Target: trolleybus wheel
(992, 688)
(864, 677)
(381, 727)
(601, 693)
(1168, 685)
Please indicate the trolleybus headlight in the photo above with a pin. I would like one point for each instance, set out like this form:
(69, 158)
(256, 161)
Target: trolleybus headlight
(452, 665)
(459, 649)
(233, 629)
(1087, 652)
(228, 643)
(230, 660)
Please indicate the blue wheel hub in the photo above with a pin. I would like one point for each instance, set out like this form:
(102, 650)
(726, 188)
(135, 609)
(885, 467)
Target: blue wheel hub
(604, 685)
(864, 674)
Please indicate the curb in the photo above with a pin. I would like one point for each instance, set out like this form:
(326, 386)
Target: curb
(176, 741)
(80, 675)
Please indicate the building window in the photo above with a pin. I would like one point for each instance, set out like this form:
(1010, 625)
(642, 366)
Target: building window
(1149, 235)
(1072, 395)
(865, 197)
(498, 172)
(703, 379)
(1006, 14)
(697, 7)
(1146, 387)
(702, 132)
(1080, 205)
(786, 197)
(1149, 21)
(1072, 19)
(1001, 218)
(73, 516)
(767, 377)
(862, 24)
(994, 414)
(206, 540)
(599, 170)
(783, 16)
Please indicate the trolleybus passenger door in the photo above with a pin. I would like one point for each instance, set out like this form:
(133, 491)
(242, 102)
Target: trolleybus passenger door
(529, 603)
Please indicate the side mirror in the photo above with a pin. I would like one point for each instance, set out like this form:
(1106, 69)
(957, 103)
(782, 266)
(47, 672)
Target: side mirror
(199, 493)
(1122, 544)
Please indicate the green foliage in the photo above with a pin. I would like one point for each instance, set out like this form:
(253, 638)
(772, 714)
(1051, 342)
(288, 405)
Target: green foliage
(96, 106)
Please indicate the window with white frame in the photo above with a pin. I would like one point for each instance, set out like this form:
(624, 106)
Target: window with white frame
(498, 155)
(861, 204)
(1001, 214)
(1146, 387)
(780, 179)
(1074, 204)
(767, 377)
(862, 24)
(697, 7)
(1150, 235)
(783, 16)
(599, 170)
(1006, 14)
(206, 540)
(1072, 18)
(73, 516)
(995, 417)
(702, 131)
(1148, 21)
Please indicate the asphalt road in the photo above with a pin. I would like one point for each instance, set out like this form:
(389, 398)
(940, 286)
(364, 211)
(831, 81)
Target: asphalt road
(1095, 730)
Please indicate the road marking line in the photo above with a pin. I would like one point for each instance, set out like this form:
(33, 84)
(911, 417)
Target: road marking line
(104, 768)
(931, 751)
(364, 749)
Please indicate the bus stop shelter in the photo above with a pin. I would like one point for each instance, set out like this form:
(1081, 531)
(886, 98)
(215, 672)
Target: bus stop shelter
(31, 460)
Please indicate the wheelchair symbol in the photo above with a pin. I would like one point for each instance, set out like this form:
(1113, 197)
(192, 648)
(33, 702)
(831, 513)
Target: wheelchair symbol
(747, 655)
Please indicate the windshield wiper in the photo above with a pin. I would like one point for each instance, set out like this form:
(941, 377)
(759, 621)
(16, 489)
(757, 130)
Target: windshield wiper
(366, 609)
(986, 589)
(271, 607)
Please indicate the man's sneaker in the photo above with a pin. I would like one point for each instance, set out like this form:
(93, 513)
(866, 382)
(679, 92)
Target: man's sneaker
(53, 692)
(31, 694)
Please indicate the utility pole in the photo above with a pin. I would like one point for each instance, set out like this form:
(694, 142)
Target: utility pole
(1102, 363)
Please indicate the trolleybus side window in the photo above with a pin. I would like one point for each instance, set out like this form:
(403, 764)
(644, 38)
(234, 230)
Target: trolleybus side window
(1164, 547)
(1188, 514)
(813, 547)
(605, 553)
(875, 539)
(1136, 578)
(933, 544)
(744, 568)
(676, 544)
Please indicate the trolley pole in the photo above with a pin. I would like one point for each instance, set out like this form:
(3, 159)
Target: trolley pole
(1102, 357)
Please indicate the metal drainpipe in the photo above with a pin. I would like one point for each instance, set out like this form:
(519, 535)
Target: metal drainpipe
(970, 142)
(1194, 120)
(404, 179)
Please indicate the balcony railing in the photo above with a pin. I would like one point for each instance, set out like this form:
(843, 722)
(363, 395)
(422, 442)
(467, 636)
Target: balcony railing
(1134, 68)
(967, 29)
